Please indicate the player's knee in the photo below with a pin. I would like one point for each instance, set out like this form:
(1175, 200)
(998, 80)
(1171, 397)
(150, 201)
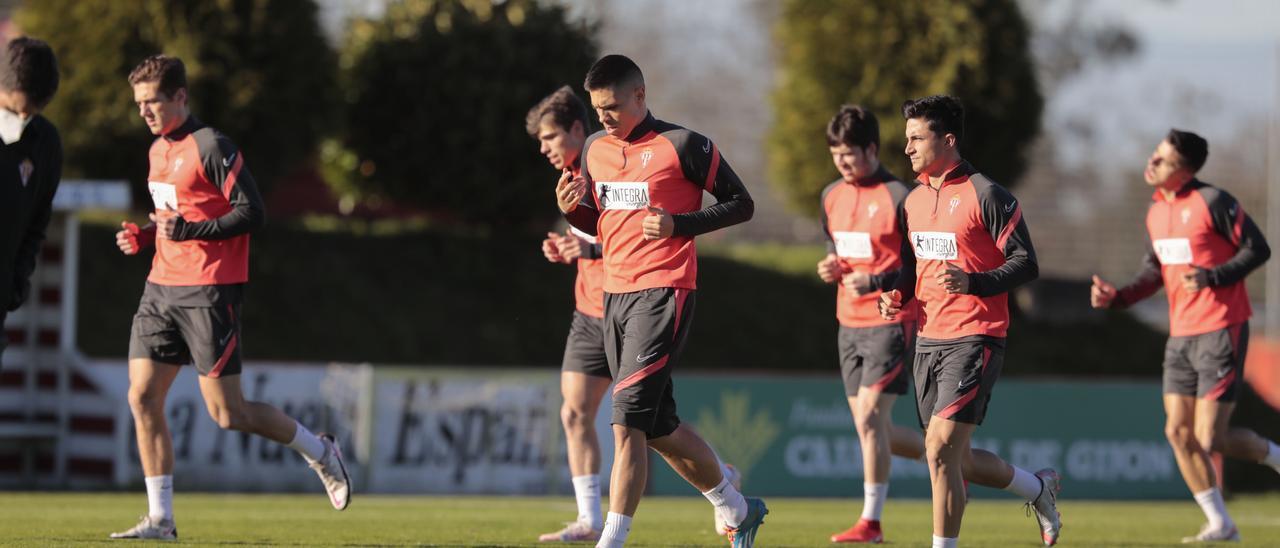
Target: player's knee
(143, 400)
(574, 417)
(229, 418)
(868, 423)
(1180, 436)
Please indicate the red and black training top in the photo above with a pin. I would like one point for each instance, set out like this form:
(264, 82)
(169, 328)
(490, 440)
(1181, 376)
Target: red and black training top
(1201, 228)
(661, 165)
(862, 224)
(200, 173)
(976, 225)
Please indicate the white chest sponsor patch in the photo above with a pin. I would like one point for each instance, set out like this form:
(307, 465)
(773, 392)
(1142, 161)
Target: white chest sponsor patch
(852, 245)
(163, 195)
(623, 195)
(938, 246)
(1173, 250)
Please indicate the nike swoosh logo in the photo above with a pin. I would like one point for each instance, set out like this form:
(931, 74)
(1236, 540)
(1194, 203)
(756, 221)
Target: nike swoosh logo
(1223, 372)
(642, 359)
(226, 162)
(1009, 208)
(226, 339)
(707, 147)
(965, 386)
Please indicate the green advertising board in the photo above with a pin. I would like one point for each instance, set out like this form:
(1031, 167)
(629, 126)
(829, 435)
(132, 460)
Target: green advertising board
(795, 436)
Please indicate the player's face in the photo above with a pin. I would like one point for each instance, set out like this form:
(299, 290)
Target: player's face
(853, 162)
(17, 103)
(560, 146)
(161, 113)
(927, 149)
(1164, 167)
(620, 109)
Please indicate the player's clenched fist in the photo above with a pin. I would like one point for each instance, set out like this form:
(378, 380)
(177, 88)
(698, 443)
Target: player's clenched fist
(550, 250)
(890, 304)
(829, 268)
(569, 191)
(954, 280)
(131, 239)
(858, 282)
(658, 224)
(1102, 293)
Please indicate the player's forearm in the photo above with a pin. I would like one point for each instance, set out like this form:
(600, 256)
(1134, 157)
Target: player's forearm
(241, 220)
(1017, 270)
(583, 218)
(1252, 254)
(724, 214)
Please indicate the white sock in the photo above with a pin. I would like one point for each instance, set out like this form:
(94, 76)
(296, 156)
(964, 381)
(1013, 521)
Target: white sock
(873, 497)
(616, 527)
(587, 490)
(160, 496)
(728, 502)
(1210, 500)
(1273, 456)
(1025, 484)
(307, 444)
(944, 542)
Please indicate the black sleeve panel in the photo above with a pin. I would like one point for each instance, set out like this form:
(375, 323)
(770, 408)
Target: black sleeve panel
(898, 190)
(593, 251)
(585, 216)
(224, 168)
(1144, 284)
(50, 148)
(906, 280)
(702, 165)
(822, 209)
(1003, 218)
(1235, 226)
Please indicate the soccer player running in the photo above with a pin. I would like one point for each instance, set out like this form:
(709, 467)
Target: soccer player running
(1202, 247)
(30, 167)
(865, 245)
(970, 247)
(640, 192)
(206, 204)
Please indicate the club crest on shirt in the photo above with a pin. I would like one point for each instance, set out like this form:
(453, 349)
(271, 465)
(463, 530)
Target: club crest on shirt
(177, 164)
(872, 208)
(1186, 215)
(645, 156)
(955, 202)
(25, 169)
(626, 195)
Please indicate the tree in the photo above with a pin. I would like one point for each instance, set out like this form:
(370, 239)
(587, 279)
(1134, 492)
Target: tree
(436, 96)
(878, 53)
(258, 70)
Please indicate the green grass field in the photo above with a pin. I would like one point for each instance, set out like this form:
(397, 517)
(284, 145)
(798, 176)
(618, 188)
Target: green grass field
(71, 519)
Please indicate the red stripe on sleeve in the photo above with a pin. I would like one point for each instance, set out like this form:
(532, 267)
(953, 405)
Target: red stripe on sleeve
(230, 183)
(1009, 228)
(715, 166)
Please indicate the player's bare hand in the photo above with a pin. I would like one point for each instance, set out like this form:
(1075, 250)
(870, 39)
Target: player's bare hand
(166, 223)
(127, 239)
(569, 191)
(550, 250)
(858, 282)
(954, 280)
(890, 304)
(1195, 279)
(829, 268)
(659, 224)
(571, 246)
(1102, 294)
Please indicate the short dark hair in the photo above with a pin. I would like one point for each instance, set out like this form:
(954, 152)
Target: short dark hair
(168, 71)
(611, 71)
(1193, 149)
(854, 126)
(944, 113)
(29, 66)
(563, 106)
